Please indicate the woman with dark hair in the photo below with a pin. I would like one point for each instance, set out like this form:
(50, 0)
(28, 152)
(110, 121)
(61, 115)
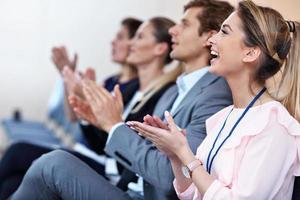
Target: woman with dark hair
(151, 40)
(120, 52)
(252, 147)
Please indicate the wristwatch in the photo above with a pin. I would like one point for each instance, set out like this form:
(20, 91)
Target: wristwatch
(187, 170)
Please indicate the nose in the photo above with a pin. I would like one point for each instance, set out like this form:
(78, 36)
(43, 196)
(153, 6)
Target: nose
(211, 40)
(113, 42)
(173, 30)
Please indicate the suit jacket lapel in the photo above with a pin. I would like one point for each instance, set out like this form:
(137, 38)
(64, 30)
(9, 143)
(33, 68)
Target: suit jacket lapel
(197, 89)
(168, 102)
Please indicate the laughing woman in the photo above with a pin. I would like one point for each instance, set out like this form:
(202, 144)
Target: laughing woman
(252, 147)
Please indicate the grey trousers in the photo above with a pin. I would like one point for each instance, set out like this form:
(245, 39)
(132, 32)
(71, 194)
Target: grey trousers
(60, 175)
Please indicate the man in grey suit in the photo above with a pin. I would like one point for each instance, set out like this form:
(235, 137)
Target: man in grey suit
(197, 95)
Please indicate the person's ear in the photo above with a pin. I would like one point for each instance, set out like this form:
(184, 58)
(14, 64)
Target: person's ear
(251, 54)
(161, 48)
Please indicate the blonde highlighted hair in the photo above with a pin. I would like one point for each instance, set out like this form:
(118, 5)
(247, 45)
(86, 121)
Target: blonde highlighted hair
(279, 42)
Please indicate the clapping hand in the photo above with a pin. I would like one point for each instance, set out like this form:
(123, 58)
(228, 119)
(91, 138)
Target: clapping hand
(82, 109)
(155, 122)
(107, 109)
(61, 59)
(72, 80)
(166, 137)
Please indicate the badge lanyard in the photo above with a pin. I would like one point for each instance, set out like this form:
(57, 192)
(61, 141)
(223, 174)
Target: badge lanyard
(210, 162)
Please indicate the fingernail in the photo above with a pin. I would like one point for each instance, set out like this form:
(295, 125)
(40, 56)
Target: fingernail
(129, 123)
(167, 114)
(179, 129)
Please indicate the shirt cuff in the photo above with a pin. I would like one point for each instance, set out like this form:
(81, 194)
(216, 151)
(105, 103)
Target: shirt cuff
(187, 194)
(112, 130)
(84, 123)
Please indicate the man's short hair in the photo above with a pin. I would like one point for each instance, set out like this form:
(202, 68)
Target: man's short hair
(213, 13)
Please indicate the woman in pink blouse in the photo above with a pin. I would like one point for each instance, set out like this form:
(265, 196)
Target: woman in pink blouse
(252, 148)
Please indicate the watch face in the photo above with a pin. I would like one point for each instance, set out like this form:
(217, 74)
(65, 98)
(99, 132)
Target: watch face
(186, 171)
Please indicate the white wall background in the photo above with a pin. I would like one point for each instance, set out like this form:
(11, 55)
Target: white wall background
(29, 29)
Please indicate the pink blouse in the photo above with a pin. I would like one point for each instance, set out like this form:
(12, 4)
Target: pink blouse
(259, 161)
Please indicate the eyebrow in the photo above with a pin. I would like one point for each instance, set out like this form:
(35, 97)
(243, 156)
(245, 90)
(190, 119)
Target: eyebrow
(227, 26)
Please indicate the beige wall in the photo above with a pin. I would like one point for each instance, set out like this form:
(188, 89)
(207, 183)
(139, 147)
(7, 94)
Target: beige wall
(28, 30)
(288, 8)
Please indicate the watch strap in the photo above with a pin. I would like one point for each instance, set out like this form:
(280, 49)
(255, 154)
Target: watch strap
(193, 165)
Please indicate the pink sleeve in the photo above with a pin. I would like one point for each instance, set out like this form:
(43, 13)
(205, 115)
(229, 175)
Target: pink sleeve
(188, 194)
(267, 163)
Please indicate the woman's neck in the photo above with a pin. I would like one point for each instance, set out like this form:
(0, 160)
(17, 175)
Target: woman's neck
(243, 91)
(149, 72)
(127, 73)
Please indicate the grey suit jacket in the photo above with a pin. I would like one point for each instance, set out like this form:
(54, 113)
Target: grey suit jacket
(209, 95)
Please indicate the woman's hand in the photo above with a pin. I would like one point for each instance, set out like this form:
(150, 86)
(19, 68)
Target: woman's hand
(155, 122)
(166, 137)
(61, 59)
(106, 108)
(82, 109)
(72, 80)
